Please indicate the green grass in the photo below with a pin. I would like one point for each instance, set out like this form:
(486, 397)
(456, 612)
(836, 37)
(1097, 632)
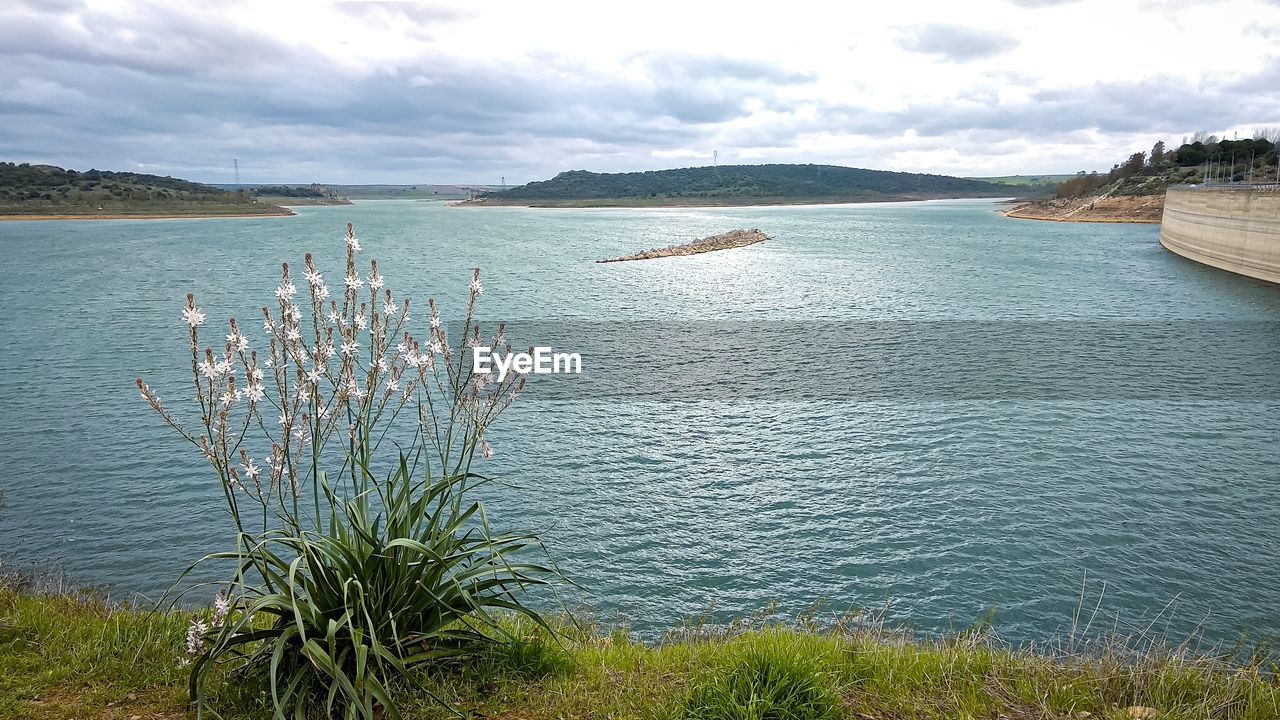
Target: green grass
(68, 655)
(1027, 179)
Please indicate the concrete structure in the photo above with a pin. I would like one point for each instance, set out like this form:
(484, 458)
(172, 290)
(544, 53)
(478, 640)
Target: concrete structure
(1235, 228)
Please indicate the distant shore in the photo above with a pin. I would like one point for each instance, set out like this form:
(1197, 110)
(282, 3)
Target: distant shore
(691, 203)
(286, 202)
(1143, 209)
(148, 216)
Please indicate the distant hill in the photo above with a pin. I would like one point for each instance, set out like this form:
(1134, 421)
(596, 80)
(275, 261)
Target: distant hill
(48, 190)
(1028, 186)
(421, 191)
(741, 184)
(1023, 180)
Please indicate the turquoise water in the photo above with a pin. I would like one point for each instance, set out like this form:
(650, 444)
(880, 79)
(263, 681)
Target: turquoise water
(938, 502)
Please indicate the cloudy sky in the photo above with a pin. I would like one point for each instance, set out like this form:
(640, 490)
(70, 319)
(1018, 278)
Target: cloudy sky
(402, 92)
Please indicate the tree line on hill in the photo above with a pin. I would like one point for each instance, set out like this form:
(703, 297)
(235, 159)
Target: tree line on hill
(24, 182)
(1204, 158)
(747, 181)
(314, 190)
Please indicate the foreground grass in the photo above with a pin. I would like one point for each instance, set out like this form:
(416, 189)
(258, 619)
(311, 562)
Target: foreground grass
(76, 656)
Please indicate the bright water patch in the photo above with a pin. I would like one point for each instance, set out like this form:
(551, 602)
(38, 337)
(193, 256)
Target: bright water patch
(945, 504)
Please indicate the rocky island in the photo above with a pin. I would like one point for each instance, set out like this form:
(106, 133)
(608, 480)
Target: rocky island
(723, 241)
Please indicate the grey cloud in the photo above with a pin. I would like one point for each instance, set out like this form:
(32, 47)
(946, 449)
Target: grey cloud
(177, 42)
(956, 43)
(182, 94)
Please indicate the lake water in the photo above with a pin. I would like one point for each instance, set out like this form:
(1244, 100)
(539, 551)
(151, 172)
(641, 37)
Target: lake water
(916, 463)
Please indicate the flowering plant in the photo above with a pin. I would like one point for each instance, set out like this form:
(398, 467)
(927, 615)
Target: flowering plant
(345, 581)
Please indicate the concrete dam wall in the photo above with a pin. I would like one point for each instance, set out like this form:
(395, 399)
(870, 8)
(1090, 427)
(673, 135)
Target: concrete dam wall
(1232, 228)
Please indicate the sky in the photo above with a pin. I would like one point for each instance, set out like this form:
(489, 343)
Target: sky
(475, 92)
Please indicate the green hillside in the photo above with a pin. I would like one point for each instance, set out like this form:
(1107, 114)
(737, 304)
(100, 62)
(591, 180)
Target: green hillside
(732, 184)
(50, 190)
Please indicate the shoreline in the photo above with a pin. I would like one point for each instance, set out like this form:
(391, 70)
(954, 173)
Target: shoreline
(1130, 209)
(1047, 218)
(702, 204)
(146, 216)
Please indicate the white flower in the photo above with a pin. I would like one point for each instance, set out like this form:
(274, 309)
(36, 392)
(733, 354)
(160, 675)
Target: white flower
(376, 282)
(221, 608)
(332, 317)
(361, 323)
(354, 282)
(476, 287)
(292, 313)
(251, 471)
(349, 348)
(381, 364)
(266, 327)
(255, 374)
(229, 399)
(192, 316)
(293, 335)
(286, 290)
(329, 351)
(254, 392)
(435, 322)
(485, 451)
(195, 637)
(389, 309)
(236, 341)
(402, 348)
(224, 368)
(354, 244)
(322, 292)
(392, 385)
(313, 278)
(284, 421)
(209, 369)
